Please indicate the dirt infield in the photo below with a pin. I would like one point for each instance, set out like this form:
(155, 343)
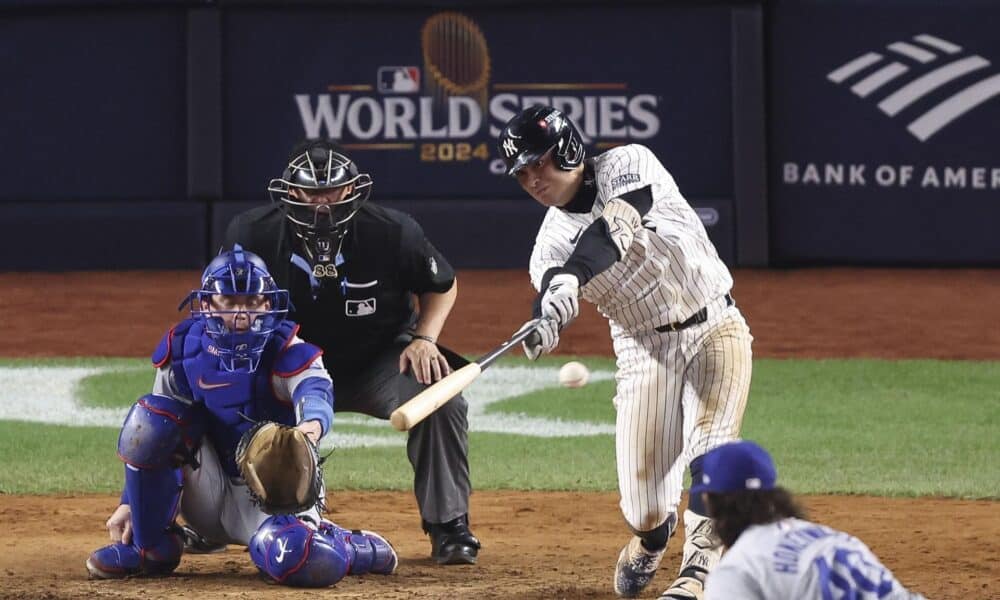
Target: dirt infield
(536, 545)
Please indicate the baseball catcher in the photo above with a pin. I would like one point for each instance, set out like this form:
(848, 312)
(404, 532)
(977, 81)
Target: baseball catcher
(238, 405)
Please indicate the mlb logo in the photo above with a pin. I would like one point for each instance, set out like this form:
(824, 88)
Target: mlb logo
(359, 308)
(399, 80)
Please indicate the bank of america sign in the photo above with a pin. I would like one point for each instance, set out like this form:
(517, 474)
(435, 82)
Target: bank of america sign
(935, 62)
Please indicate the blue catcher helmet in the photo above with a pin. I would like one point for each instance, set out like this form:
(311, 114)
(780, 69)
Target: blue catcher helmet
(241, 306)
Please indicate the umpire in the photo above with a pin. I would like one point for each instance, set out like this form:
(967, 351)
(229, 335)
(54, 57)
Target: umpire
(352, 269)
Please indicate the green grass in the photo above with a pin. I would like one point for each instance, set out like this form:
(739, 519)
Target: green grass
(835, 426)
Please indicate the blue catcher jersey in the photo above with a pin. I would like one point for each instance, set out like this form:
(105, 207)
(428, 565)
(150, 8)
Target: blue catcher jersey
(233, 401)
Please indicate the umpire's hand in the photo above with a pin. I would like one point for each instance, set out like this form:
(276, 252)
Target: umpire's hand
(425, 360)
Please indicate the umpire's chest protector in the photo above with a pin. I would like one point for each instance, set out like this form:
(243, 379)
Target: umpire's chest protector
(233, 400)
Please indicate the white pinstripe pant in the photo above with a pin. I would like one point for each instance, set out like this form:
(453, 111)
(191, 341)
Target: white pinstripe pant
(679, 394)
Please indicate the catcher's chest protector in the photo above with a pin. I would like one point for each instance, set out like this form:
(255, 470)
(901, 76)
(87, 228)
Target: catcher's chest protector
(234, 400)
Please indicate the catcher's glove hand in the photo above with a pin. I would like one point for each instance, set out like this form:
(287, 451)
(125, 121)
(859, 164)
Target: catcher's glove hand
(282, 468)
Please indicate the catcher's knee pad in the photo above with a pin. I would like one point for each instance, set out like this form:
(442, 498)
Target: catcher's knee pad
(295, 552)
(155, 433)
(371, 553)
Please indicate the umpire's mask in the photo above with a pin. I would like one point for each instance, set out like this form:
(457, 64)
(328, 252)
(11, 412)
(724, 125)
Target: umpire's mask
(322, 190)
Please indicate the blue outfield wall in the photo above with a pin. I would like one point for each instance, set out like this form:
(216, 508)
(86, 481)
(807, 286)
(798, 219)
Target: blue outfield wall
(139, 129)
(805, 132)
(884, 128)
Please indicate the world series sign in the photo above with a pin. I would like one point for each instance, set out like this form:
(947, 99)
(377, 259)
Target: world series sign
(419, 98)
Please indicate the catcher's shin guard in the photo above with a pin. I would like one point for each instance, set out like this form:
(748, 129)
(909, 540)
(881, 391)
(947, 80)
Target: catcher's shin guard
(116, 561)
(371, 553)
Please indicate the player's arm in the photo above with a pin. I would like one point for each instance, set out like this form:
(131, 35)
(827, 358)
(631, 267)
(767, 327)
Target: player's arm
(429, 276)
(606, 241)
(301, 379)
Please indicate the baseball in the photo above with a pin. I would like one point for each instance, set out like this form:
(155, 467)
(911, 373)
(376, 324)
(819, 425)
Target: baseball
(573, 374)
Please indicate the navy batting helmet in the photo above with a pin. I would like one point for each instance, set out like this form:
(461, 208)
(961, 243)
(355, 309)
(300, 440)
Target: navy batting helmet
(533, 132)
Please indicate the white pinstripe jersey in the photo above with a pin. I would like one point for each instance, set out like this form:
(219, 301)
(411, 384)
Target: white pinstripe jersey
(670, 271)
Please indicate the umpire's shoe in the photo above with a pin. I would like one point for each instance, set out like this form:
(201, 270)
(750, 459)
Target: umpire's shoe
(452, 543)
(636, 568)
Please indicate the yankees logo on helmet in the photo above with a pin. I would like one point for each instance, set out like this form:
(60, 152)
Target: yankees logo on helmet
(540, 129)
(509, 147)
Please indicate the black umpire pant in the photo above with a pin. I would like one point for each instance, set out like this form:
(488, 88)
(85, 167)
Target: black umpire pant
(438, 447)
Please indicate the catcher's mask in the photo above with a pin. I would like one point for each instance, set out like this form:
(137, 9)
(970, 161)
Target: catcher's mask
(249, 296)
(321, 190)
(533, 132)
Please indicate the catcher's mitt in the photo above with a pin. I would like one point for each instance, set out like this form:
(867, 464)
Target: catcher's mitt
(282, 468)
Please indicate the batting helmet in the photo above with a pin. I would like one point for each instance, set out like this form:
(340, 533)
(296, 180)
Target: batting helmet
(533, 132)
(320, 169)
(239, 273)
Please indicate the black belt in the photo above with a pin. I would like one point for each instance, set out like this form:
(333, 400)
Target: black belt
(697, 318)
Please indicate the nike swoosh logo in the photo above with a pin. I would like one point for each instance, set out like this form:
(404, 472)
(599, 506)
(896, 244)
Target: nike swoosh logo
(211, 386)
(576, 237)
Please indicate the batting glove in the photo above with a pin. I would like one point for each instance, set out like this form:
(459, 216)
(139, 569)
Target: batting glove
(546, 340)
(560, 300)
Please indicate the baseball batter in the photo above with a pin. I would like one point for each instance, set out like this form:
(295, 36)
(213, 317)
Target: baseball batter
(619, 233)
(774, 553)
(235, 361)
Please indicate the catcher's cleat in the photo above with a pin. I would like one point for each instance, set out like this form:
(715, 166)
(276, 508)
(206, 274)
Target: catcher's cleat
(689, 586)
(195, 543)
(118, 560)
(636, 568)
(452, 543)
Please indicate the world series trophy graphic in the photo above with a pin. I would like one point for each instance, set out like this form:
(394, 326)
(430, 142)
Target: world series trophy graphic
(456, 59)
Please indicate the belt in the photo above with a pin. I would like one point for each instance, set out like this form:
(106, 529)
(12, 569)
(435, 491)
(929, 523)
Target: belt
(696, 319)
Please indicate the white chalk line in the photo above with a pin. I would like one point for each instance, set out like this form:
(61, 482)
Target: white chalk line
(48, 395)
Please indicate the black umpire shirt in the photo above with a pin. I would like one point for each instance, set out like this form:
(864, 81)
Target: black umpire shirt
(358, 314)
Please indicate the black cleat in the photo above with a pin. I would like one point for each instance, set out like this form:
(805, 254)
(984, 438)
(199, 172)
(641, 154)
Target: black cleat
(195, 543)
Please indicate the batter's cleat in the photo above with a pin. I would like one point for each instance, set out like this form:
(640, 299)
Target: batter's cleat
(689, 586)
(119, 560)
(636, 568)
(452, 543)
(195, 543)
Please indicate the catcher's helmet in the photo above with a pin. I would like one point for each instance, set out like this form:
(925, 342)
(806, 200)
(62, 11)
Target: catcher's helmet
(315, 167)
(239, 273)
(533, 132)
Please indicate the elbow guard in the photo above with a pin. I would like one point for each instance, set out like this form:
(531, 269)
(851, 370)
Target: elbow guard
(623, 220)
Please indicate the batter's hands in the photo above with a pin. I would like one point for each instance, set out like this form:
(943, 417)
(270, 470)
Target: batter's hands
(545, 342)
(425, 360)
(560, 301)
(120, 524)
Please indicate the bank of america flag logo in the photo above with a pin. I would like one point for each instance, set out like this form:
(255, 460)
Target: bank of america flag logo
(936, 62)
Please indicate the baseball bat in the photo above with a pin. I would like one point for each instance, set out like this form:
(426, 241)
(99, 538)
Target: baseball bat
(419, 407)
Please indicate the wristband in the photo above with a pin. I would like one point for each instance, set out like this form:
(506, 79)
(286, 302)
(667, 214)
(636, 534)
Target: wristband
(426, 338)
